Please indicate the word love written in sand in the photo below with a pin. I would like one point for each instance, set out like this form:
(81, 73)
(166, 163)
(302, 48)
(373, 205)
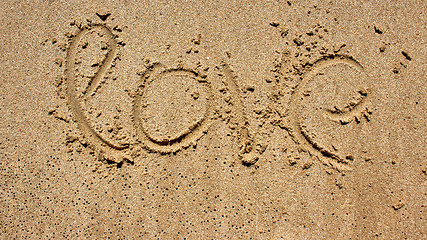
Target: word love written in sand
(168, 95)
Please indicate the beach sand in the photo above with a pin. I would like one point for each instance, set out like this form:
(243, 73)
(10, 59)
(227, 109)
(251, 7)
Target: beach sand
(214, 120)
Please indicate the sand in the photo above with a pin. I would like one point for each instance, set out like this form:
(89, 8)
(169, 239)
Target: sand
(218, 120)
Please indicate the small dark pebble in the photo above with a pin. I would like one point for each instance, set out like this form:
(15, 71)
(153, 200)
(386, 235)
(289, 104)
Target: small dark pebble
(274, 24)
(406, 55)
(377, 30)
(298, 42)
(103, 16)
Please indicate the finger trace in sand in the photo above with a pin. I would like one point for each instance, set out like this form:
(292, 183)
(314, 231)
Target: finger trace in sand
(343, 115)
(99, 143)
(248, 153)
(167, 139)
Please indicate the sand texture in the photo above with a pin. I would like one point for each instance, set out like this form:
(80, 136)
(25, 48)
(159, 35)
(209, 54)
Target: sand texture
(213, 120)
